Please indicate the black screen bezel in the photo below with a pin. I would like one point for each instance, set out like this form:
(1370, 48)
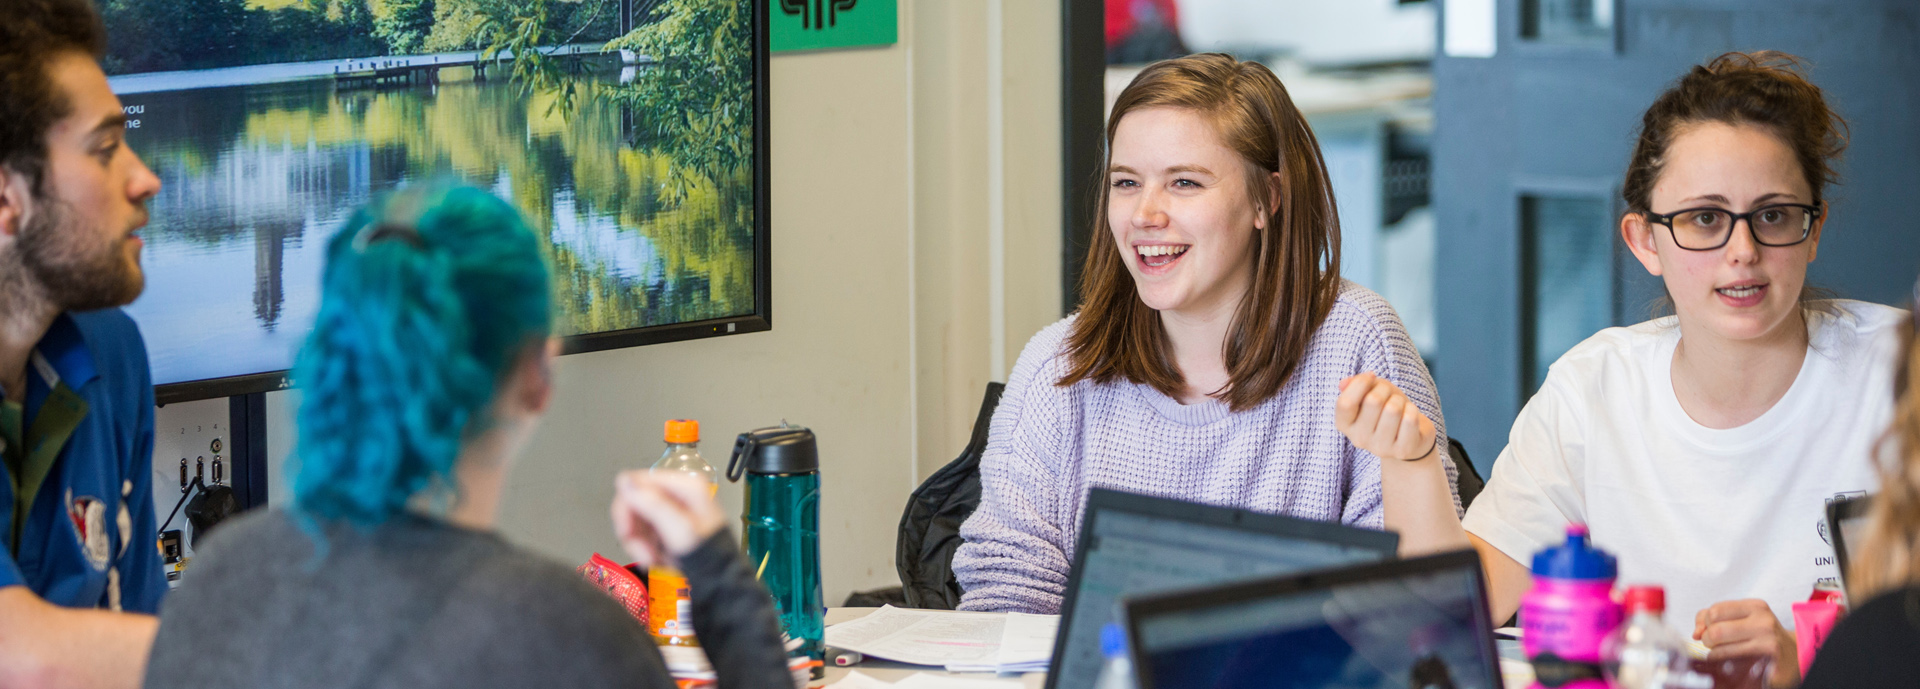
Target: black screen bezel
(1839, 511)
(761, 320)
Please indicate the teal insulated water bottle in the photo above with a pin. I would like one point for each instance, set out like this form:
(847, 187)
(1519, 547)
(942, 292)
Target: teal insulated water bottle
(782, 468)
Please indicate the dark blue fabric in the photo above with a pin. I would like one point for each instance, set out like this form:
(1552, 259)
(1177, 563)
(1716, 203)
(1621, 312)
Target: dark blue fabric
(101, 357)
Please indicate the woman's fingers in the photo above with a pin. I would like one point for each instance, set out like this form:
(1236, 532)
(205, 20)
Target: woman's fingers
(1731, 632)
(660, 511)
(1378, 417)
(1739, 628)
(1392, 416)
(1346, 407)
(635, 535)
(1368, 421)
(1415, 436)
(696, 499)
(1728, 611)
(634, 531)
(1750, 648)
(680, 510)
(666, 516)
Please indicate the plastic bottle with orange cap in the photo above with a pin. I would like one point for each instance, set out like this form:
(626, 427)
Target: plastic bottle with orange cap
(670, 608)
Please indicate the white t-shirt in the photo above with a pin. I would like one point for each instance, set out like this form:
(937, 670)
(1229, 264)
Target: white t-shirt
(1712, 515)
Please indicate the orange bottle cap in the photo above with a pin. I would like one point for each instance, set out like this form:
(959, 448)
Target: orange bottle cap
(683, 431)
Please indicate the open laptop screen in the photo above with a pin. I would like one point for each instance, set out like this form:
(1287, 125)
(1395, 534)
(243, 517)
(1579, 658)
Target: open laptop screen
(1411, 623)
(1846, 528)
(1133, 544)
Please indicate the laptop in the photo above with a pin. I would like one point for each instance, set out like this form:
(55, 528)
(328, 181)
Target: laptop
(1846, 527)
(1134, 544)
(1408, 623)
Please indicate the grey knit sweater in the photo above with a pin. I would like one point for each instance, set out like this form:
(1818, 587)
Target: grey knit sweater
(417, 603)
(1049, 445)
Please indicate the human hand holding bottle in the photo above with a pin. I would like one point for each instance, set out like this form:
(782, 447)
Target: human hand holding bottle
(1748, 628)
(659, 518)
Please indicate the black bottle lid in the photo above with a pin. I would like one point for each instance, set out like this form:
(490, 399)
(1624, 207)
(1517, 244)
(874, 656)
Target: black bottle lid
(781, 449)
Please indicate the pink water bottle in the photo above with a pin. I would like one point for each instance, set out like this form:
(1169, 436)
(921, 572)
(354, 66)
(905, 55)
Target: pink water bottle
(1569, 613)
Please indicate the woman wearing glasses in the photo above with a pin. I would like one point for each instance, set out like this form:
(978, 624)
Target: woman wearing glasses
(1701, 448)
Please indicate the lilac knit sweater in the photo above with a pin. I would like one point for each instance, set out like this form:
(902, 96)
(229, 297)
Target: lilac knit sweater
(1049, 445)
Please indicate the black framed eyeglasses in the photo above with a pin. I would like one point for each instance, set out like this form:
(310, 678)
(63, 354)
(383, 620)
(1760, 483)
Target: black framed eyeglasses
(1708, 228)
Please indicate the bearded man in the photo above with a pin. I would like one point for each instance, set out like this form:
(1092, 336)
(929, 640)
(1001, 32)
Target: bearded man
(80, 571)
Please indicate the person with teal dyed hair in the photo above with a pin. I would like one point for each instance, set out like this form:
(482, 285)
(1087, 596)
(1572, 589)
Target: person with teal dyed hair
(429, 365)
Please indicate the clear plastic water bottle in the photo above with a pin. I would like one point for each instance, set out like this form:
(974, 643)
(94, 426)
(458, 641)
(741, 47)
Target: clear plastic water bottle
(683, 452)
(1644, 653)
(1117, 671)
(670, 608)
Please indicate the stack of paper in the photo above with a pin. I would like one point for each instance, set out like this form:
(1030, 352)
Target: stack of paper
(1026, 644)
(958, 641)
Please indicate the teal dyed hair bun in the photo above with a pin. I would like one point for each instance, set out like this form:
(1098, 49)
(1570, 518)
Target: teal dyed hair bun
(429, 296)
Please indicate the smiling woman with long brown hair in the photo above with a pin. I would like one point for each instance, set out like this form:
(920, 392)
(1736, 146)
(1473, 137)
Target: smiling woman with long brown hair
(1218, 357)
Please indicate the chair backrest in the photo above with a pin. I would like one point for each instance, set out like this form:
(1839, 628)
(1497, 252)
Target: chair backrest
(930, 526)
(1470, 482)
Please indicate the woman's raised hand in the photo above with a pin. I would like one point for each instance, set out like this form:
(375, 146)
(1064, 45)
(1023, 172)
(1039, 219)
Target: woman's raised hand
(1377, 417)
(659, 518)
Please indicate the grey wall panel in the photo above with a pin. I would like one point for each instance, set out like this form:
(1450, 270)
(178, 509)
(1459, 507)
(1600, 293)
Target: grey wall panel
(1478, 248)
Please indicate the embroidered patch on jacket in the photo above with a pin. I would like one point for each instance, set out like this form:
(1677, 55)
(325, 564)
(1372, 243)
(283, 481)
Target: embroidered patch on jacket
(89, 516)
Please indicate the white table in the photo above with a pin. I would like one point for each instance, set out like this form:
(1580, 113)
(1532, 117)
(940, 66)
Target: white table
(889, 671)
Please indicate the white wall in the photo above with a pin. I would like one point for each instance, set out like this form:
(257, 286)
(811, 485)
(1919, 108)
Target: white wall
(1314, 31)
(962, 287)
(915, 230)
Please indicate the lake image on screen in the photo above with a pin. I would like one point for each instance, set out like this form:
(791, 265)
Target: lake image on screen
(637, 171)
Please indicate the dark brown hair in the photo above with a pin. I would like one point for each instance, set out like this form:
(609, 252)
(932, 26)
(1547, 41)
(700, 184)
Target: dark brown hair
(1764, 89)
(1296, 274)
(33, 35)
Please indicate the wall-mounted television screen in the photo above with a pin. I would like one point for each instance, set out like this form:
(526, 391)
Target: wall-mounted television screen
(631, 132)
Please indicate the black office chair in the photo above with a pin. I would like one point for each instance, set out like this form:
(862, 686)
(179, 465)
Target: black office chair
(1470, 483)
(930, 527)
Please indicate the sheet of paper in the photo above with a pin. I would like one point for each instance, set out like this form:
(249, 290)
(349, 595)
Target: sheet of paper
(925, 680)
(1515, 674)
(859, 680)
(923, 637)
(1028, 638)
(1026, 645)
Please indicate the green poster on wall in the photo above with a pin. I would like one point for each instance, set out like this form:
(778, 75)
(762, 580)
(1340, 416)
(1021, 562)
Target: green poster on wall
(818, 24)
